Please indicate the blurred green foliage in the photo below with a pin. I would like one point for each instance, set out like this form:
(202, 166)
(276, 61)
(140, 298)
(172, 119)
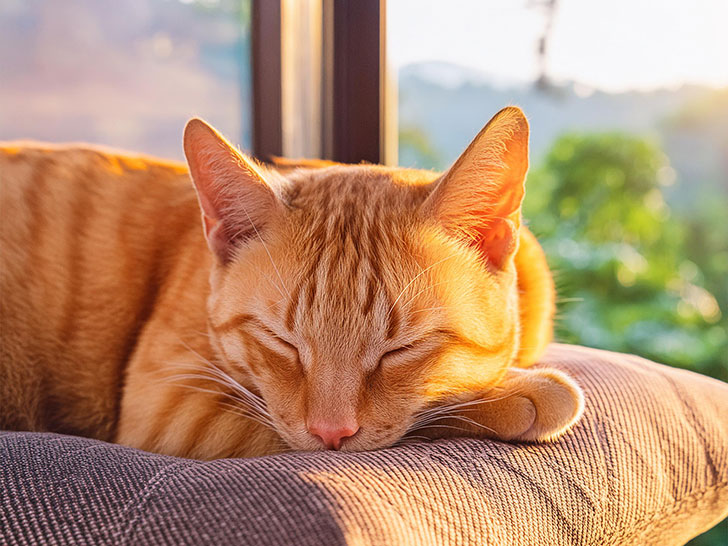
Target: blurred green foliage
(633, 275)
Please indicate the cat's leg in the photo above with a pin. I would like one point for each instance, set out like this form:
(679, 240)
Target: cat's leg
(528, 405)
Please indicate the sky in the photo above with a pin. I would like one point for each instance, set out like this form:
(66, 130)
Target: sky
(613, 45)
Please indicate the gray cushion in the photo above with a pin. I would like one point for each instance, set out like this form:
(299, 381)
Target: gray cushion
(648, 464)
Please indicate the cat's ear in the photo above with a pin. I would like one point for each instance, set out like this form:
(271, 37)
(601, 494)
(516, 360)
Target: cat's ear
(533, 405)
(479, 197)
(235, 200)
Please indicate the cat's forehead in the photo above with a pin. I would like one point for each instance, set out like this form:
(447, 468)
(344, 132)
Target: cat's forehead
(351, 235)
(361, 186)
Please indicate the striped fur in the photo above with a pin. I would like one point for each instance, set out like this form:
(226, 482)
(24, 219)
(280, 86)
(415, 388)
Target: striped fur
(349, 298)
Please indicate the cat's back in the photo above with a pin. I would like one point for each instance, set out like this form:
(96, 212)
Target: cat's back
(66, 206)
(49, 185)
(82, 254)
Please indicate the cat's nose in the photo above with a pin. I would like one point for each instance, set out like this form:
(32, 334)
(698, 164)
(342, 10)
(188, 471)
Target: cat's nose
(332, 434)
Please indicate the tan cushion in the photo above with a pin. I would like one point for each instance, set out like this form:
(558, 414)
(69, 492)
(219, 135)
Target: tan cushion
(648, 464)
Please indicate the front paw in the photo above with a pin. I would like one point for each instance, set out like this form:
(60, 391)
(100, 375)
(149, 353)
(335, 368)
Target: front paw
(536, 405)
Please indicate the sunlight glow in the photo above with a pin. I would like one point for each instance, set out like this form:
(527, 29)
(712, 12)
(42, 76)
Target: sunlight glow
(612, 45)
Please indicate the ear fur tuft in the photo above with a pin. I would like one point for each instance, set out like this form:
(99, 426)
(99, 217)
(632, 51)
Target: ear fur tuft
(479, 198)
(235, 199)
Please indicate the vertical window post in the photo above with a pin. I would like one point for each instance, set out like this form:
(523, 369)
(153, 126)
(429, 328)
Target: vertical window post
(266, 68)
(320, 87)
(360, 119)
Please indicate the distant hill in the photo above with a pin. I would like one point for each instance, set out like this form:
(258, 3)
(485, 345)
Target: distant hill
(448, 104)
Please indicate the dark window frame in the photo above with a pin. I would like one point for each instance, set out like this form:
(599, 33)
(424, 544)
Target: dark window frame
(266, 74)
(353, 79)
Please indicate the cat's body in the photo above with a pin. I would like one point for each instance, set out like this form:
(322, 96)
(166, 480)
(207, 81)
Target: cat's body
(91, 242)
(109, 329)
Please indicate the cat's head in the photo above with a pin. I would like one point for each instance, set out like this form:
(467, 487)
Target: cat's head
(353, 296)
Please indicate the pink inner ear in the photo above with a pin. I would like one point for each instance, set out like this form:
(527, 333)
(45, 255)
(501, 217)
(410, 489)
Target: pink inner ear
(235, 200)
(217, 240)
(208, 224)
(224, 236)
(497, 242)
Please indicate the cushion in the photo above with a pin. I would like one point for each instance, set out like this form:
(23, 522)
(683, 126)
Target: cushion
(647, 464)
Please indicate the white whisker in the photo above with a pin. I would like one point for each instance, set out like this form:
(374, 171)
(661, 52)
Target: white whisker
(446, 426)
(426, 288)
(417, 277)
(275, 267)
(427, 417)
(471, 422)
(249, 415)
(244, 402)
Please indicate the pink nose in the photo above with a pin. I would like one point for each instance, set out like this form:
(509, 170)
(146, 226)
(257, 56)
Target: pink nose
(332, 434)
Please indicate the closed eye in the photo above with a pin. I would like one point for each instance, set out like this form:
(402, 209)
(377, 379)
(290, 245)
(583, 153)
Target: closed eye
(411, 349)
(276, 337)
(281, 341)
(397, 352)
(419, 348)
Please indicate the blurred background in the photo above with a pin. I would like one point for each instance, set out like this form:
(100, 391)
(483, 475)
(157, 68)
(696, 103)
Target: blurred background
(628, 103)
(628, 187)
(127, 74)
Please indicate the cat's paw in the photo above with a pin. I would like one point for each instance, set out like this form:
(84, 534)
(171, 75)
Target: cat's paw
(535, 405)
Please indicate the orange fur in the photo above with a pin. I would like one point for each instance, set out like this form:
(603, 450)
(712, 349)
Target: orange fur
(315, 292)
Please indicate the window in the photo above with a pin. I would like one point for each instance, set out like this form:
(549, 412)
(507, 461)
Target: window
(125, 74)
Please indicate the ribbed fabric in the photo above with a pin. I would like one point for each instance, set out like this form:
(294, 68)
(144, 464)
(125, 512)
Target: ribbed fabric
(648, 464)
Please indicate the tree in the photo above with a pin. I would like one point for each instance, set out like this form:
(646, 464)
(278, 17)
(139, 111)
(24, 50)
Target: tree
(633, 276)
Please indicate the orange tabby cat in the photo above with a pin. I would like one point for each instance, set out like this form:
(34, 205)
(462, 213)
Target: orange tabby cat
(321, 305)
